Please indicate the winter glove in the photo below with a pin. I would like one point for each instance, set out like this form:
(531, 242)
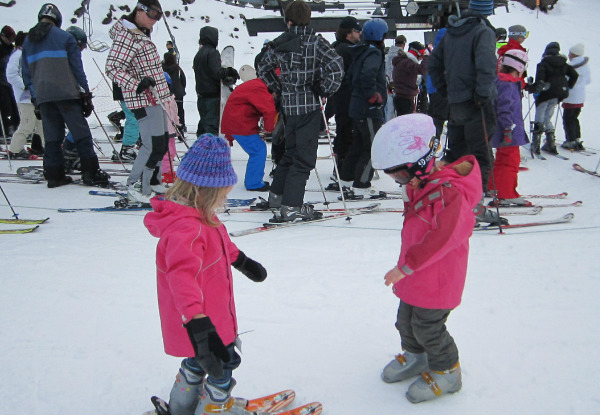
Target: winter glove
(376, 99)
(144, 84)
(210, 350)
(481, 101)
(87, 106)
(36, 110)
(507, 136)
(250, 268)
(318, 91)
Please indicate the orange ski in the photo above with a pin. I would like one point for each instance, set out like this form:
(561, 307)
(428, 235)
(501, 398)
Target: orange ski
(270, 403)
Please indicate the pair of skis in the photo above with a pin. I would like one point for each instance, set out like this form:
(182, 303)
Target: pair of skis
(275, 404)
(36, 222)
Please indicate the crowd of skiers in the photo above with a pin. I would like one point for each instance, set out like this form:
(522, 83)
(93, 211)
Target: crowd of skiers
(468, 79)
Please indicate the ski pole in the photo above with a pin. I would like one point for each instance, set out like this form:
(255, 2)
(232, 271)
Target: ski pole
(487, 144)
(15, 214)
(110, 141)
(5, 143)
(103, 76)
(335, 166)
(156, 99)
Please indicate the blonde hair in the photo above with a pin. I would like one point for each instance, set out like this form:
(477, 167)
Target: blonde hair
(205, 200)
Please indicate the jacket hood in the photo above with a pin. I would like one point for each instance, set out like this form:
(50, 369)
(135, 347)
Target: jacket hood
(40, 31)
(165, 213)
(506, 77)
(209, 36)
(458, 26)
(464, 167)
(555, 60)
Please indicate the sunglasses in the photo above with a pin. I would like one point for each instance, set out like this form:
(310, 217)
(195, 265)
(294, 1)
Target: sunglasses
(400, 174)
(152, 13)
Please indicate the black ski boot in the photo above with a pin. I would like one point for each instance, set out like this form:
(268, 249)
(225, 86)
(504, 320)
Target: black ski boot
(550, 144)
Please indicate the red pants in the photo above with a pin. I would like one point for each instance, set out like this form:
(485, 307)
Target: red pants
(506, 169)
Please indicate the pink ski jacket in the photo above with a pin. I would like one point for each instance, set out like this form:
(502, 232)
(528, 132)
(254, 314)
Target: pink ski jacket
(193, 271)
(438, 223)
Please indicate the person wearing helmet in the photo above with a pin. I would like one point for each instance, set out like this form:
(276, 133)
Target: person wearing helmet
(407, 67)
(501, 34)
(463, 68)
(516, 36)
(53, 73)
(510, 131)
(367, 102)
(310, 71)
(134, 64)
(429, 276)
(79, 36)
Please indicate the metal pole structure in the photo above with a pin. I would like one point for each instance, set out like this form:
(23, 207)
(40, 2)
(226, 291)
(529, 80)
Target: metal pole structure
(103, 76)
(110, 141)
(156, 97)
(487, 143)
(325, 202)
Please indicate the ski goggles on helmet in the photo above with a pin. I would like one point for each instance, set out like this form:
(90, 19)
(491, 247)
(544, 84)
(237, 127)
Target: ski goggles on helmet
(152, 13)
(400, 174)
(524, 34)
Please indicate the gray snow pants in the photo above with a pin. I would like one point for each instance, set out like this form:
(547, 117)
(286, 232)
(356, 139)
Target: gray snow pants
(154, 132)
(424, 330)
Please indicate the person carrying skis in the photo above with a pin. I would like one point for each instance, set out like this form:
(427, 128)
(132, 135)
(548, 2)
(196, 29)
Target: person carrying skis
(510, 131)
(463, 67)
(561, 77)
(244, 108)
(573, 104)
(209, 76)
(53, 73)
(430, 274)
(194, 256)
(310, 70)
(134, 64)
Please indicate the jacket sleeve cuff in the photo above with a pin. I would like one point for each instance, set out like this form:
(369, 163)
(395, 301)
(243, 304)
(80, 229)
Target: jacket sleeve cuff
(406, 270)
(188, 312)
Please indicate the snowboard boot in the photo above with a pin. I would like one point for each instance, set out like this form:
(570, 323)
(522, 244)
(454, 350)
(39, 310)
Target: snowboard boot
(216, 400)
(92, 175)
(550, 144)
(404, 366)
(304, 212)
(435, 383)
(536, 137)
(185, 393)
(56, 177)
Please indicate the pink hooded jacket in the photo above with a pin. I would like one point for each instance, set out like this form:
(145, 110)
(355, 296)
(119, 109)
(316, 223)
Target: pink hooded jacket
(438, 223)
(193, 270)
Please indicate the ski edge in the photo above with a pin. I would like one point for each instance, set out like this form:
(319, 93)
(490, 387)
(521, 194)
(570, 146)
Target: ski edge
(20, 230)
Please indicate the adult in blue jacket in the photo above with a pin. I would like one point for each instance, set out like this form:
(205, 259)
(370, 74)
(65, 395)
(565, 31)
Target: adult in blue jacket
(53, 73)
(463, 67)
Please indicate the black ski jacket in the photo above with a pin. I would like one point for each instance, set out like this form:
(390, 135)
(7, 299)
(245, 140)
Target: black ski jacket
(555, 70)
(207, 64)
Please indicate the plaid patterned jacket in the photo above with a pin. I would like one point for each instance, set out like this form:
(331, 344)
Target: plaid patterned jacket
(132, 57)
(307, 62)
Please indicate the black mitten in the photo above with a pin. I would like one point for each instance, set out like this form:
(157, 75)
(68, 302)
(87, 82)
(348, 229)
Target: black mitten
(87, 106)
(144, 84)
(210, 350)
(36, 110)
(250, 268)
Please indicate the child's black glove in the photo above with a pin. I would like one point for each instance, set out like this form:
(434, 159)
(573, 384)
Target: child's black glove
(250, 268)
(210, 350)
(144, 84)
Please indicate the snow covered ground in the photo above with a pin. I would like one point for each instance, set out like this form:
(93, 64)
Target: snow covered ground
(79, 328)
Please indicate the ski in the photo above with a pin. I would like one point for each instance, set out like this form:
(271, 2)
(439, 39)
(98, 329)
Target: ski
(21, 230)
(562, 195)
(387, 192)
(582, 169)
(270, 226)
(565, 219)
(24, 221)
(9, 179)
(558, 156)
(539, 156)
(545, 205)
(230, 202)
(313, 408)
(123, 208)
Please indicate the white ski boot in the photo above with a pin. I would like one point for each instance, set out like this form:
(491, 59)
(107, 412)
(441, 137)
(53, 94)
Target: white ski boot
(404, 366)
(435, 383)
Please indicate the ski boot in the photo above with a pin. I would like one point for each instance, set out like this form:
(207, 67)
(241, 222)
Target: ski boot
(135, 196)
(536, 137)
(186, 391)
(293, 213)
(550, 144)
(127, 154)
(483, 214)
(404, 366)
(434, 383)
(56, 177)
(92, 175)
(216, 400)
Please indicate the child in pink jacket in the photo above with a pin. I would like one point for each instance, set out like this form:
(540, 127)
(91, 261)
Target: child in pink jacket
(430, 274)
(194, 256)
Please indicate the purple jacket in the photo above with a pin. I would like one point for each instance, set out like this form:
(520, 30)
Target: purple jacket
(509, 111)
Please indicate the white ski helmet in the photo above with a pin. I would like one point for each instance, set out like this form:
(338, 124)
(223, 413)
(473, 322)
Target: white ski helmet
(409, 142)
(515, 58)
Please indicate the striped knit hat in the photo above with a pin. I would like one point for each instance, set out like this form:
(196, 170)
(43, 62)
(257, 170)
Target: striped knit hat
(208, 163)
(483, 7)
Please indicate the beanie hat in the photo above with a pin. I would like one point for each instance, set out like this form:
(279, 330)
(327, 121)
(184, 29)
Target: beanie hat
(483, 7)
(208, 163)
(552, 48)
(9, 33)
(578, 49)
(350, 22)
(516, 31)
(298, 12)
